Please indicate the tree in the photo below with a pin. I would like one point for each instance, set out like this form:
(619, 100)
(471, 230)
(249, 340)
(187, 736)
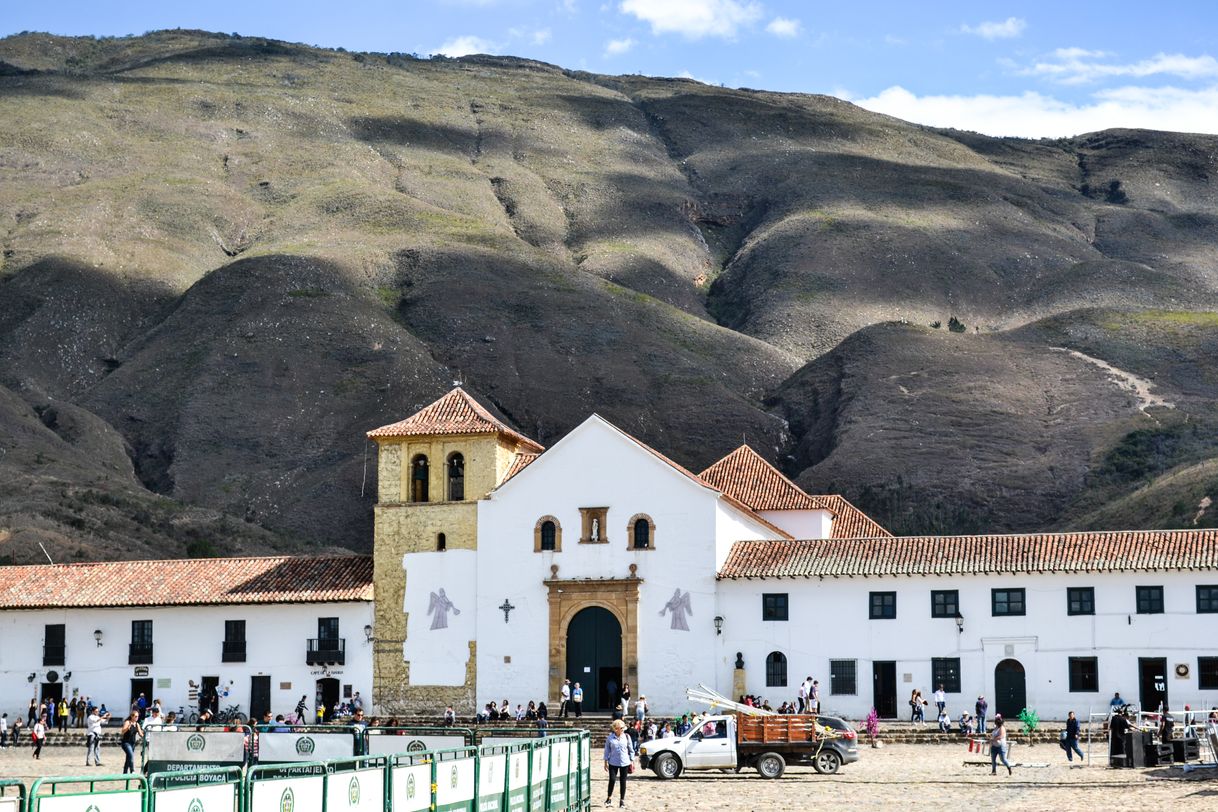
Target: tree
(955, 325)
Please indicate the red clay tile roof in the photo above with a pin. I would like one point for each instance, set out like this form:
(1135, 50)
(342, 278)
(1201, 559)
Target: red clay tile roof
(519, 463)
(191, 582)
(455, 413)
(746, 475)
(1103, 551)
(848, 521)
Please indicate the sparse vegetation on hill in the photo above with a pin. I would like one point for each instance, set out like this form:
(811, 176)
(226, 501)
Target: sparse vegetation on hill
(225, 257)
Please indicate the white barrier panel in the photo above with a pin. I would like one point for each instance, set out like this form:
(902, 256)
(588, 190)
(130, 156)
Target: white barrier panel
(288, 795)
(101, 802)
(305, 746)
(454, 784)
(560, 759)
(411, 788)
(192, 747)
(586, 768)
(356, 791)
(201, 798)
(10, 803)
(392, 745)
(541, 771)
(518, 781)
(491, 778)
(488, 741)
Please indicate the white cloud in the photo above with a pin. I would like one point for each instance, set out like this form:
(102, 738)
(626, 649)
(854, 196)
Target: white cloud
(465, 45)
(540, 37)
(784, 27)
(1076, 66)
(1034, 115)
(1009, 28)
(615, 47)
(694, 19)
(685, 74)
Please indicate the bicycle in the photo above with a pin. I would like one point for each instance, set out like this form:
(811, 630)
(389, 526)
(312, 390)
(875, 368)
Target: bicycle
(230, 714)
(188, 718)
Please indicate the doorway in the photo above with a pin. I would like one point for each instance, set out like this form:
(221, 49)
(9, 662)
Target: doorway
(141, 686)
(52, 692)
(594, 656)
(327, 696)
(1010, 689)
(209, 695)
(884, 688)
(260, 696)
(1152, 681)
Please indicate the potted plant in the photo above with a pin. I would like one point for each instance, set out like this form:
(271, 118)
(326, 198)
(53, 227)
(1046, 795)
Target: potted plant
(1030, 721)
(872, 724)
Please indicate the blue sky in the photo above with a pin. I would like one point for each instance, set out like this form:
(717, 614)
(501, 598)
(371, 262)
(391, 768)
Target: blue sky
(1025, 68)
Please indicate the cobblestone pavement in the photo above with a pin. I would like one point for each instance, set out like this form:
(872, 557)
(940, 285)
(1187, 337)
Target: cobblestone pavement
(894, 777)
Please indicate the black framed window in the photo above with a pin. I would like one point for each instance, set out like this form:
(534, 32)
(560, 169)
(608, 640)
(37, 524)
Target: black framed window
(883, 606)
(776, 670)
(1084, 674)
(945, 671)
(233, 650)
(1150, 600)
(944, 602)
(140, 652)
(1207, 673)
(1207, 598)
(774, 606)
(843, 677)
(549, 532)
(456, 477)
(1080, 600)
(1004, 602)
(53, 648)
(327, 628)
(642, 534)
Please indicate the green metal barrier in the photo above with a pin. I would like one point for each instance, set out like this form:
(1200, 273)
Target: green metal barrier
(391, 740)
(286, 788)
(179, 748)
(214, 790)
(307, 743)
(411, 782)
(455, 779)
(124, 793)
(356, 784)
(12, 795)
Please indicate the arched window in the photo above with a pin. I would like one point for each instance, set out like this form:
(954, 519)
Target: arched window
(640, 530)
(419, 473)
(776, 670)
(441, 543)
(547, 535)
(456, 477)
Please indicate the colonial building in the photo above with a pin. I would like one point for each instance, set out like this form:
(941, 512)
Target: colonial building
(259, 633)
(503, 568)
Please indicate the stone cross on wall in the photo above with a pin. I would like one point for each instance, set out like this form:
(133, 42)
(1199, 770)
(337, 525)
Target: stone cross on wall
(506, 607)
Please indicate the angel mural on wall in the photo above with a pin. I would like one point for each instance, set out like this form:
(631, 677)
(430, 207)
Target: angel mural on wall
(438, 607)
(679, 606)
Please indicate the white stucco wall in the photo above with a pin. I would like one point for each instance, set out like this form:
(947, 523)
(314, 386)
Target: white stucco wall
(441, 615)
(829, 620)
(596, 466)
(187, 645)
(801, 524)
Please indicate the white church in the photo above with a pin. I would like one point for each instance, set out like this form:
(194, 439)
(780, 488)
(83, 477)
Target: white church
(501, 568)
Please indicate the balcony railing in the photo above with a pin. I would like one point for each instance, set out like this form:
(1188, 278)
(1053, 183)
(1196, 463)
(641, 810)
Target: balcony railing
(140, 654)
(53, 655)
(234, 651)
(326, 651)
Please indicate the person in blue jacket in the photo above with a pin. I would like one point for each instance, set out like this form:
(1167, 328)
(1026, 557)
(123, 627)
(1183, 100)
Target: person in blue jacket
(619, 756)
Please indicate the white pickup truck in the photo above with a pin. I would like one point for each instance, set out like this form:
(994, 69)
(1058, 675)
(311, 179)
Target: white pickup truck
(766, 743)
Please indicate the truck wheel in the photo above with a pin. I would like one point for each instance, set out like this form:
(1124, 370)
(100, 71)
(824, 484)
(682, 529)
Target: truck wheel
(827, 762)
(771, 765)
(666, 766)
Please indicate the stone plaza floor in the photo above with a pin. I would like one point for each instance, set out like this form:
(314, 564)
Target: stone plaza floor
(893, 777)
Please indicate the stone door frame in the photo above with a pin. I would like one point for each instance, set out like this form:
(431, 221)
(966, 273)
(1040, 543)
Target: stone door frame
(568, 597)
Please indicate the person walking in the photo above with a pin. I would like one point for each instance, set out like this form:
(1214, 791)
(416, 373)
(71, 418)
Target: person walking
(301, 708)
(564, 699)
(941, 698)
(128, 737)
(577, 700)
(93, 732)
(640, 708)
(814, 697)
(625, 695)
(619, 757)
(917, 705)
(62, 713)
(40, 736)
(4, 730)
(981, 708)
(801, 697)
(998, 746)
(32, 714)
(1071, 740)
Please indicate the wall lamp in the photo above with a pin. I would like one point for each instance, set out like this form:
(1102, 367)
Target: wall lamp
(718, 624)
(97, 635)
(959, 622)
(368, 633)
